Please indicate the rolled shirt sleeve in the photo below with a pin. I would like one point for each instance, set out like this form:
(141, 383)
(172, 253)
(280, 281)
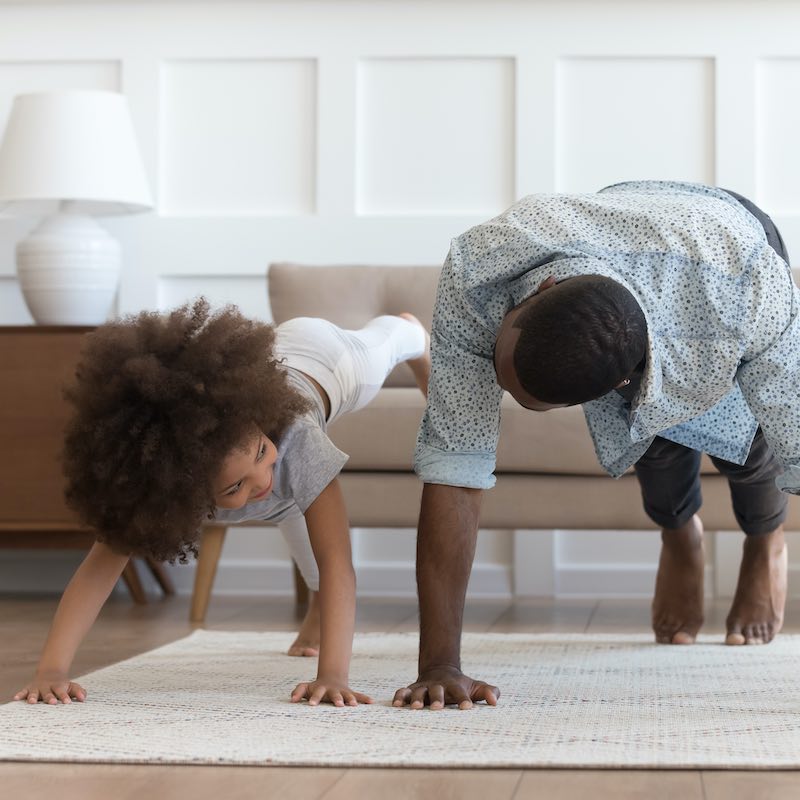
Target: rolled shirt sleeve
(458, 436)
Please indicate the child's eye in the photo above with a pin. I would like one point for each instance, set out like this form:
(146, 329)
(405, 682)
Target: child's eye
(262, 451)
(233, 489)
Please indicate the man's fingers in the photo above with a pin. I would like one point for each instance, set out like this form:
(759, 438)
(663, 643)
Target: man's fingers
(436, 697)
(419, 694)
(457, 694)
(491, 694)
(401, 697)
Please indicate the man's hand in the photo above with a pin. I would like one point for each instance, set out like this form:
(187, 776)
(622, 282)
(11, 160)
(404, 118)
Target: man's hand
(50, 688)
(439, 686)
(328, 691)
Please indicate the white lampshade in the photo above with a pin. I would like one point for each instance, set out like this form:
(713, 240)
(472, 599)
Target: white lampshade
(71, 145)
(69, 156)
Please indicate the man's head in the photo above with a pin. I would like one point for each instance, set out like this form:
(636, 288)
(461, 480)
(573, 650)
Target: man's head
(571, 342)
(161, 402)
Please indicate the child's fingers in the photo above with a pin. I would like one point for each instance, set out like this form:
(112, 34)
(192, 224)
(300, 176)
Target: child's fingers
(33, 696)
(300, 691)
(337, 699)
(49, 698)
(21, 694)
(363, 698)
(77, 692)
(317, 696)
(63, 695)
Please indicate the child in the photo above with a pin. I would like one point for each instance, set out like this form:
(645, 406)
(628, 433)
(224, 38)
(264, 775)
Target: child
(190, 416)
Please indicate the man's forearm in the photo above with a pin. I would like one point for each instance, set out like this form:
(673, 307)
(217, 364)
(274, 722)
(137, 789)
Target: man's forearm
(448, 528)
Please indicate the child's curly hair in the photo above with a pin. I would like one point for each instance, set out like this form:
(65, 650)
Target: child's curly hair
(160, 400)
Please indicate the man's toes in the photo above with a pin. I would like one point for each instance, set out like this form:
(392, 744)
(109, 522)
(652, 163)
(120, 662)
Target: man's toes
(735, 636)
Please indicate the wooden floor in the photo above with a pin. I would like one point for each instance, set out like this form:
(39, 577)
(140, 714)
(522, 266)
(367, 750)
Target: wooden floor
(124, 630)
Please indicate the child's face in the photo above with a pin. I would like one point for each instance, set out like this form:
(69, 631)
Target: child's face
(246, 473)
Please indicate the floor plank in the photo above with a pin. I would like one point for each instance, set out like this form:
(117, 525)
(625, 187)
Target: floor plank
(426, 784)
(609, 785)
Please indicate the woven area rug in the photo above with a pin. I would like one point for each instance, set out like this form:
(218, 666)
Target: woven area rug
(568, 701)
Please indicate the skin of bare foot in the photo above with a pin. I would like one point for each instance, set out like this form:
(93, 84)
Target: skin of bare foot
(420, 366)
(678, 599)
(307, 641)
(756, 615)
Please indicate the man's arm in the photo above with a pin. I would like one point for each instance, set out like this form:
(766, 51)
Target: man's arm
(79, 606)
(448, 528)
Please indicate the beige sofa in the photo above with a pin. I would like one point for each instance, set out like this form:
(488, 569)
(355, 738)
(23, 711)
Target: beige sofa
(547, 474)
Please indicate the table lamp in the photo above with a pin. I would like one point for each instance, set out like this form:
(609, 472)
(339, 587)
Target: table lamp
(70, 155)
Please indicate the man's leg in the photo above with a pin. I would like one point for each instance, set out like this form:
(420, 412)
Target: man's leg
(756, 614)
(669, 477)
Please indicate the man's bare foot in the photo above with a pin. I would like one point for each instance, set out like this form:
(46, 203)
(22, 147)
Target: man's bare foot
(678, 599)
(307, 641)
(420, 366)
(756, 615)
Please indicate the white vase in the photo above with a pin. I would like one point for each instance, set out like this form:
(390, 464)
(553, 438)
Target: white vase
(68, 270)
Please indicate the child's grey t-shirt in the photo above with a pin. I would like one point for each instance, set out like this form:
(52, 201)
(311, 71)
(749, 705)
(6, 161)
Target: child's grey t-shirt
(307, 462)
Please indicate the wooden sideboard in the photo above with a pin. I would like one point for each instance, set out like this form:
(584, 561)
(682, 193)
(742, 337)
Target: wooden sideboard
(35, 364)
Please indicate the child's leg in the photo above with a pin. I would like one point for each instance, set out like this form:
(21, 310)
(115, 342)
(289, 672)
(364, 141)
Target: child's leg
(370, 355)
(295, 533)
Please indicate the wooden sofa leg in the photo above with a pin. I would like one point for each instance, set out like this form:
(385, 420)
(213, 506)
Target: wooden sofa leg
(300, 589)
(161, 575)
(211, 543)
(132, 580)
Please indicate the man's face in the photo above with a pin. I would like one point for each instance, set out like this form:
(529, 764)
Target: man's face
(246, 473)
(507, 379)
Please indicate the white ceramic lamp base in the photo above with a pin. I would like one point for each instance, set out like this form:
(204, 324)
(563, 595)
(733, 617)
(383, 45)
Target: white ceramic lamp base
(68, 270)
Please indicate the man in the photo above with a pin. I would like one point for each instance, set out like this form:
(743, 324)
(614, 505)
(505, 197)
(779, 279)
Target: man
(668, 310)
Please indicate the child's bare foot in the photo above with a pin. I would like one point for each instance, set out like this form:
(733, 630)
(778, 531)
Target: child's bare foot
(307, 641)
(678, 600)
(420, 366)
(756, 615)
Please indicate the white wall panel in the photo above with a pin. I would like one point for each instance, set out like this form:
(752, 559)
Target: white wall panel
(777, 126)
(435, 136)
(631, 118)
(238, 137)
(247, 292)
(18, 77)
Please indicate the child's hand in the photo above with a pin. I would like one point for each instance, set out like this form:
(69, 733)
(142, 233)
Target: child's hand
(50, 688)
(328, 691)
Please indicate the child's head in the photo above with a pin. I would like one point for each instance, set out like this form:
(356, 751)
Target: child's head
(577, 340)
(160, 402)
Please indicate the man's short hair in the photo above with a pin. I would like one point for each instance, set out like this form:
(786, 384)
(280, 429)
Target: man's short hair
(578, 340)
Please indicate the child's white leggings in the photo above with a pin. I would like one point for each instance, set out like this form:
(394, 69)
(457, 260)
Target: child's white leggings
(351, 367)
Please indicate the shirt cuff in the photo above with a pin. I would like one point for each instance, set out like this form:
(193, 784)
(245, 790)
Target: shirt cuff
(789, 481)
(470, 470)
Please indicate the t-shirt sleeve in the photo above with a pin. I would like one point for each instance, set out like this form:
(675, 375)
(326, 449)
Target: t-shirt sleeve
(457, 441)
(310, 461)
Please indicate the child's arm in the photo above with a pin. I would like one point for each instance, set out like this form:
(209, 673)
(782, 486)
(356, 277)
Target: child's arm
(329, 531)
(79, 606)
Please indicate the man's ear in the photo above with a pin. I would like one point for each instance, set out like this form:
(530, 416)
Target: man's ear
(547, 283)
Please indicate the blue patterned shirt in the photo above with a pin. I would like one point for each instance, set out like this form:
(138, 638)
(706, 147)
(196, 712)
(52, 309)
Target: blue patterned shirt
(723, 352)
